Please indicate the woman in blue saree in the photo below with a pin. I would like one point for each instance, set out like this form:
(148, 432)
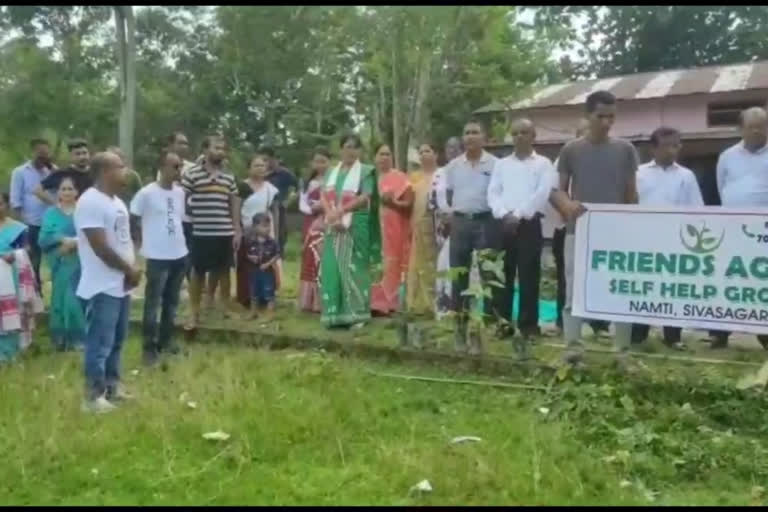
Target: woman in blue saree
(13, 236)
(58, 241)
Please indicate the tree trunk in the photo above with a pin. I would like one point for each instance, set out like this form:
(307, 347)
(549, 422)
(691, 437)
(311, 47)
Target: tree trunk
(126, 56)
(399, 121)
(420, 117)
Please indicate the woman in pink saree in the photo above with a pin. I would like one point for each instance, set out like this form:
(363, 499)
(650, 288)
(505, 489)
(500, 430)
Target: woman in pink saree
(396, 202)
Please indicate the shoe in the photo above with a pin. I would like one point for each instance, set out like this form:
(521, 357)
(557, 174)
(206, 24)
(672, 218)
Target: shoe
(99, 406)
(149, 357)
(676, 345)
(718, 343)
(504, 331)
(119, 395)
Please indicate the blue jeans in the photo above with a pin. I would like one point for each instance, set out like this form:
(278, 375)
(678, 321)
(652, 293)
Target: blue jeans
(262, 286)
(164, 278)
(106, 327)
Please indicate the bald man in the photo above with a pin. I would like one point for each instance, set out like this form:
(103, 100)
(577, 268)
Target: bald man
(518, 194)
(742, 180)
(107, 276)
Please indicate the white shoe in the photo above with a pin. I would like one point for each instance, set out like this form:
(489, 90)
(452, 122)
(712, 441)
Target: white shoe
(120, 395)
(99, 406)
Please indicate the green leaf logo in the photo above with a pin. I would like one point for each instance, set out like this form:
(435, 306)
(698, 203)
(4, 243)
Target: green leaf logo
(700, 241)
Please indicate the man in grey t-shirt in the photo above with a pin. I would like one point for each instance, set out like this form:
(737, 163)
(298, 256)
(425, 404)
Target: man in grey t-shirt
(598, 169)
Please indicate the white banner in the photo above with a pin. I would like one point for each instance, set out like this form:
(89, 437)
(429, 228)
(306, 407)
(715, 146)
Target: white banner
(698, 268)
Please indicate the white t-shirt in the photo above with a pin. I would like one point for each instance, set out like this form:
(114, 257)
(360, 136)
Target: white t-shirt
(161, 212)
(95, 209)
(258, 202)
(185, 166)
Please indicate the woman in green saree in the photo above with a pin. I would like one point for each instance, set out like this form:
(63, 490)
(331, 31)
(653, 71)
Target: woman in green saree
(353, 238)
(58, 241)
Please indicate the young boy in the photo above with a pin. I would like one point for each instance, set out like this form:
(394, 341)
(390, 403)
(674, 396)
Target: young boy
(263, 253)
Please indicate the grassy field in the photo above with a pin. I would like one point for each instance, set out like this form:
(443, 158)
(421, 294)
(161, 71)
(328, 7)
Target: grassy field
(310, 428)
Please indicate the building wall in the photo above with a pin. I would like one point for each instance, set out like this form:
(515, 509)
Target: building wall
(638, 118)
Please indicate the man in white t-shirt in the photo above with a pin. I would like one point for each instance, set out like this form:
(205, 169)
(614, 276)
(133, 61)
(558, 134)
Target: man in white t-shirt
(108, 274)
(159, 208)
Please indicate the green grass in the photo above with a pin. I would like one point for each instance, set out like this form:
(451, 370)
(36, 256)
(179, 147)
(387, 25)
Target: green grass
(317, 429)
(310, 428)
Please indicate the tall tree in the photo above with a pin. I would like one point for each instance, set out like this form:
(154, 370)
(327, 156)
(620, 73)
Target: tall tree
(125, 43)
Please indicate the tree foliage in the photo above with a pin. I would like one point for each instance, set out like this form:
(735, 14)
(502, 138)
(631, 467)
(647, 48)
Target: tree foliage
(291, 76)
(615, 40)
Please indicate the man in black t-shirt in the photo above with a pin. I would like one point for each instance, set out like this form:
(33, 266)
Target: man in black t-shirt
(77, 170)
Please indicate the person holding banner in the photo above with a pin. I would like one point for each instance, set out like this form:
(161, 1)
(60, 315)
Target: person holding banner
(596, 168)
(518, 191)
(742, 180)
(664, 182)
(553, 225)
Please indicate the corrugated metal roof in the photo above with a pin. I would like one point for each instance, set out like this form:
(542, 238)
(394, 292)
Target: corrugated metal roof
(736, 77)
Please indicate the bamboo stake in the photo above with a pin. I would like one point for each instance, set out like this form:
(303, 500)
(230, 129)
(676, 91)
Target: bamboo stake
(489, 383)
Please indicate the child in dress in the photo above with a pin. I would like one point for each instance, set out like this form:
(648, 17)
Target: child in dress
(263, 253)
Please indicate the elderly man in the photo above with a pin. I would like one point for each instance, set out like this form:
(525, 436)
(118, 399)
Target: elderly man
(472, 224)
(742, 180)
(596, 168)
(664, 182)
(517, 194)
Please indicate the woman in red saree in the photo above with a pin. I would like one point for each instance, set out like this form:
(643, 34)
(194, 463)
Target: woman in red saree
(312, 233)
(396, 201)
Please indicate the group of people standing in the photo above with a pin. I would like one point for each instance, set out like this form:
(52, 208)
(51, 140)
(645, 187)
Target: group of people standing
(387, 237)
(375, 240)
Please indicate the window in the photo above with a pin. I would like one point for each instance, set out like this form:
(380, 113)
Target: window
(727, 113)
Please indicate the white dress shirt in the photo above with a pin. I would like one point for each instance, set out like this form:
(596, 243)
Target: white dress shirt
(742, 176)
(520, 187)
(439, 191)
(667, 186)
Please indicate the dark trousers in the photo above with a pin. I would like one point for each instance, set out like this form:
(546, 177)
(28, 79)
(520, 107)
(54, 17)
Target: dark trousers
(522, 258)
(33, 233)
(164, 278)
(558, 247)
(467, 235)
(282, 227)
(721, 337)
(640, 333)
(187, 228)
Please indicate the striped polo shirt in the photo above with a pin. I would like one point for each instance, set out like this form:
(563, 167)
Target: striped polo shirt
(208, 204)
